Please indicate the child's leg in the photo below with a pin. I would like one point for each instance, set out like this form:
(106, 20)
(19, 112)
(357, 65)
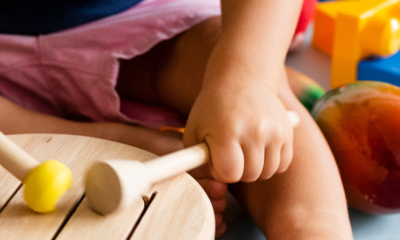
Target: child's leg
(307, 201)
(171, 74)
(15, 119)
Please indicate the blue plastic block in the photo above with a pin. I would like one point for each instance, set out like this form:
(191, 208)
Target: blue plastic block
(381, 69)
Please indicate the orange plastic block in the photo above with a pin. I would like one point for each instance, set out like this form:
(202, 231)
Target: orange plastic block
(352, 30)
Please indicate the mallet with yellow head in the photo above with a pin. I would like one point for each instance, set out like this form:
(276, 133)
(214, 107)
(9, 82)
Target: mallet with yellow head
(45, 182)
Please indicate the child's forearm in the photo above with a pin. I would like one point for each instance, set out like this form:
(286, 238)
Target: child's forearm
(255, 38)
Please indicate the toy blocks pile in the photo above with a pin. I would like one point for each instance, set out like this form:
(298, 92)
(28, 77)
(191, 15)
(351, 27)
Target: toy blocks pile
(362, 37)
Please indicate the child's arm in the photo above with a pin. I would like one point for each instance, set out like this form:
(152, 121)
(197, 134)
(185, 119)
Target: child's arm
(237, 111)
(307, 201)
(18, 120)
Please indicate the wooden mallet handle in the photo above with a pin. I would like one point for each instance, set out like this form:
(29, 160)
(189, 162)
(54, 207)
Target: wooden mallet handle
(187, 159)
(178, 162)
(45, 183)
(114, 183)
(14, 159)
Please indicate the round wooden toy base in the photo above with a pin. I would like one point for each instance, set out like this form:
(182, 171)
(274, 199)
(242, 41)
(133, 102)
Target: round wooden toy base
(180, 208)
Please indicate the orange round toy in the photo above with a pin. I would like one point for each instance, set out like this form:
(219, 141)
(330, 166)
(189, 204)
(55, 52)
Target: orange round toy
(361, 123)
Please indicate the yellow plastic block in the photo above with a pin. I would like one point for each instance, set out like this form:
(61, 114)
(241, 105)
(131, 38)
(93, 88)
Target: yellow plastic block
(324, 25)
(351, 30)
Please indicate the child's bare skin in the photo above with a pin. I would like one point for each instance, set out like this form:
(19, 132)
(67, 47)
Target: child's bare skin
(17, 120)
(182, 75)
(306, 200)
(299, 192)
(176, 70)
(230, 78)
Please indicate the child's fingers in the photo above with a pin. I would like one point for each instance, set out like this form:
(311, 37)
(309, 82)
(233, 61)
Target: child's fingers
(226, 156)
(286, 150)
(220, 225)
(218, 205)
(218, 190)
(214, 189)
(201, 172)
(271, 160)
(253, 161)
(227, 160)
(286, 157)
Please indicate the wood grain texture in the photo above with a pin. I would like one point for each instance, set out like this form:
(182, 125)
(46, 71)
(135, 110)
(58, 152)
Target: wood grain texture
(8, 185)
(14, 159)
(85, 223)
(199, 222)
(180, 200)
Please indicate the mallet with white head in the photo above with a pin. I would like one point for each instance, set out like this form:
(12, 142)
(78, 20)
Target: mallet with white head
(45, 182)
(114, 184)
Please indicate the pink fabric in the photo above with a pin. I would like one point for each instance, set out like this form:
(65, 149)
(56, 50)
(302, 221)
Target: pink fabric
(73, 73)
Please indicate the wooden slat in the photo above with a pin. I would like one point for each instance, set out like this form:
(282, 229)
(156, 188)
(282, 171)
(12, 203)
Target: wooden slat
(19, 222)
(86, 224)
(180, 210)
(8, 185)
(185, 209)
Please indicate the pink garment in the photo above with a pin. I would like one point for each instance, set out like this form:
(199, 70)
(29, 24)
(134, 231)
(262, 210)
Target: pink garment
(72, 73)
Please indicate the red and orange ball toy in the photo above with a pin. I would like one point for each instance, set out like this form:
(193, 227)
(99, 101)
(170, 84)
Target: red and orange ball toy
(361, 122)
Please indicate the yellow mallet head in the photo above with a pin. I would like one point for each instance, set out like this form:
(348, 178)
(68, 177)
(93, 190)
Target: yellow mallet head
(45, 185)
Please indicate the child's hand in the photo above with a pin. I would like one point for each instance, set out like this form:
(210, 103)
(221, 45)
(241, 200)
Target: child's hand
(246, 128)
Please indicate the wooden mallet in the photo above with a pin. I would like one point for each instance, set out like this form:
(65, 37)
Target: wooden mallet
(45, 183)
(114, 184)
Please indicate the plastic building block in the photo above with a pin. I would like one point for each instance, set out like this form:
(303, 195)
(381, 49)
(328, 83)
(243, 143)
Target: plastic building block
(352, 30)
(381, 69)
